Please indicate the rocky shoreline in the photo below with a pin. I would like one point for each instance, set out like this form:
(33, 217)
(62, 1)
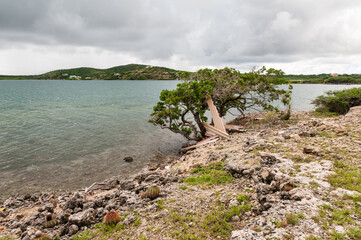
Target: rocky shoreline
(278, 180)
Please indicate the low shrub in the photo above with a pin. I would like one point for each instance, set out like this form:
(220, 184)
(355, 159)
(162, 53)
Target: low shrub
(338, 101)
(213, 174)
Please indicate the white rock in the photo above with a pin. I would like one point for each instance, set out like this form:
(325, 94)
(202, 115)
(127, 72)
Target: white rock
(340, 192)
(340, 229)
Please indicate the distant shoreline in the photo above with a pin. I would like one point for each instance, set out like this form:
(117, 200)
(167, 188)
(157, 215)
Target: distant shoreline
(124, 72)
(87, 80)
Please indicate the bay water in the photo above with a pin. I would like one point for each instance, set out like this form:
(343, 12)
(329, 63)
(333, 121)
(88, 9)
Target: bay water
(65, 135)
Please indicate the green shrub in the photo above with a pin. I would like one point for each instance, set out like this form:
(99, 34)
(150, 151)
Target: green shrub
(338, 101)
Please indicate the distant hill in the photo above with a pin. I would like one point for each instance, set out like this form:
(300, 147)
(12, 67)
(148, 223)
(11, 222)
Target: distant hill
(125, 72)
(147, 72)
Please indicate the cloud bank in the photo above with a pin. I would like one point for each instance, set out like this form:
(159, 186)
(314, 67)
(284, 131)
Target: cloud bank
(296, 36)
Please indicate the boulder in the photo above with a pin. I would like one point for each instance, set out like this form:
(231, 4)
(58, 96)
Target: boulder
(84, 218)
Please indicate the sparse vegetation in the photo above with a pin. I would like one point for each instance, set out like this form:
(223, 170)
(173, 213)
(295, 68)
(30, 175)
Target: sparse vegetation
(292, 219)
(213, 174)
(313, 238)
(348, 177)
(7, 238)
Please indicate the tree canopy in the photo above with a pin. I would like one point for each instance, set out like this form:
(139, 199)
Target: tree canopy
(183, 110)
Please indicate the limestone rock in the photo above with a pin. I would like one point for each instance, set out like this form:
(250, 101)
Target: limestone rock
(84, 218)
(312, 150)
(73, 229)
(247, 234)
(268, 159)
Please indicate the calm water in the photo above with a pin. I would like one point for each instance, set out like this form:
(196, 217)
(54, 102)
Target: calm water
(68, 134)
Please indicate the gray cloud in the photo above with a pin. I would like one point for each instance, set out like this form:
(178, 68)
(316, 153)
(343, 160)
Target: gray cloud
(196, 33)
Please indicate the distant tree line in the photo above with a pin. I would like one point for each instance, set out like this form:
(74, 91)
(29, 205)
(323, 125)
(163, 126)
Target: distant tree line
(322, 79)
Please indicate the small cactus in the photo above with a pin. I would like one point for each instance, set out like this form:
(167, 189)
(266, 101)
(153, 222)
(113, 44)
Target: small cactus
(50, 221)
(49, 216)
(111, 217)
(50, 224)
(153, 192)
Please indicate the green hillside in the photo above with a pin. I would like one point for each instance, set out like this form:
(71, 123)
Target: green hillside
(125, 72)
(146, 72)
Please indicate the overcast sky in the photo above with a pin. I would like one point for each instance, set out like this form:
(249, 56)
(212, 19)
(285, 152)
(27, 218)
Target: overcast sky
(297, 36)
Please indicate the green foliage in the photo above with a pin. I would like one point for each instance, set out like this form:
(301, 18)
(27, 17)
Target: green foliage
(336, 236)
(137, 222)
(343, 212)
(350, 179)
(83, 235)
(292, 219)
(325, 134)
(354, 233)
(109, 228)
(181, 227)
(347, 176)
(102, 230)
(338, 101)
(213, 174)
(313, 238)
(160, 204)
(216, 222)
(276, 223)
(175, 106)
(183, 110)
(242, 198)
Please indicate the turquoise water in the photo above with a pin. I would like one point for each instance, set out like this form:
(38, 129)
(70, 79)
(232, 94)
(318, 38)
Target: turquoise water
(68, 134)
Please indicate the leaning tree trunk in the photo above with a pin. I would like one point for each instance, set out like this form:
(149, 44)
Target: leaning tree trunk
(199, 123)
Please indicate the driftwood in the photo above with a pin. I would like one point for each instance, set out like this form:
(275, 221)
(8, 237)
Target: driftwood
(217, 120)
(201, 143)
(215, 131)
